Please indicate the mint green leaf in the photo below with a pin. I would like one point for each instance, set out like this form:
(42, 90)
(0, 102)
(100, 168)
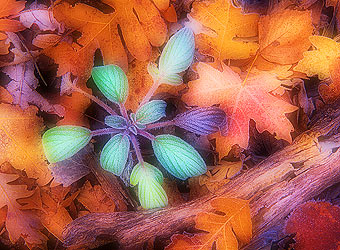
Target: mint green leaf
(150, 112)
(149, 179)
(143, 170)
(62, 142)
(178, 157)
(115, 153)
(112, 82)
(116, 121)
(178, 53)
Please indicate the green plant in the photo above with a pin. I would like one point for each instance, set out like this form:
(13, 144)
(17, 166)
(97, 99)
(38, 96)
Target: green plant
(176, 156)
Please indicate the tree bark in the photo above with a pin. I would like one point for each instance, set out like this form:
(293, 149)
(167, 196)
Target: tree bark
(274, 187)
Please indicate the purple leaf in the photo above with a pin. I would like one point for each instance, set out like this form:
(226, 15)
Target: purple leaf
(202, 121)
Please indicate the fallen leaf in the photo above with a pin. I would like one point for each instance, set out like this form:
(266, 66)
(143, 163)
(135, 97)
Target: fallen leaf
(316, 224)
(20, 135)
(283, 35)
(226, 23)
(223, 230)
(22, 87)
(330, 93)
(95, 199)
(101, 30)
(241, 102)
(318, 60)
(19, 223)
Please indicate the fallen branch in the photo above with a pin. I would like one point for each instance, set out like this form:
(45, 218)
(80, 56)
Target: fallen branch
(274, 187)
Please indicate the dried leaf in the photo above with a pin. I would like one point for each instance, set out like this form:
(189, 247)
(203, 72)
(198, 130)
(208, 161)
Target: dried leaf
(330, 93)
(223, 230)
(19, 223)
(283, 35)
(241, 102)
(318, 60)
(95, 199)
(227, 23)
(20, 135)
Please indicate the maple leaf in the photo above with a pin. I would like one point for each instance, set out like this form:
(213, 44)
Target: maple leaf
(95, 199)
(22, 87)
(330, 93)
(318, 61)
(241, 102)
(229, 26)
(20, 136)
(283, 35)
(8, 9)
(139, 21)
(316, 224)
(223, 230)
(19, 223)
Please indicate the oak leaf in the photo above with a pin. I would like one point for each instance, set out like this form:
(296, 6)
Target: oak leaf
(20, 136)
(140, 23)
(283, 35)
(230, 30)
(316, 224)
(318, 60)
(19, 223)
(223, 230)
(242, 100)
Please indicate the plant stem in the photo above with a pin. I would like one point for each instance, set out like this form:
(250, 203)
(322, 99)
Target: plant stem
(150, 93)
(135, 145)
(160, 124)
(145, 134)
(96, 100)
(105, 131)
(123, 111)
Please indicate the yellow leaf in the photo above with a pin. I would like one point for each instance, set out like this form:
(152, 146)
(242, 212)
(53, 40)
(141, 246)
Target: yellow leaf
(318, 60)
(231, 28)
(223, 230)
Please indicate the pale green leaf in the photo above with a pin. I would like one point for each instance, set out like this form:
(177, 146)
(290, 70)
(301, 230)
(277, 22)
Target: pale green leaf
(112, 82)
(62, 142)
(115, 153)
(143, 170)
(178, 157)
(150, 112)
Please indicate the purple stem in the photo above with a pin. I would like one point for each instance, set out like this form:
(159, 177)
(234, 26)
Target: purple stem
(105, 131)
(123, 111)
(146, 134)
(96, 100)
(150, 93)
(135, 145)
(160, 124)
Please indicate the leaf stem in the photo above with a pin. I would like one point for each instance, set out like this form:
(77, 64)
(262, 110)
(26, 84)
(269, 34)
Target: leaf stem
(150, 93)
(135, 145)
(160, 124)
(105, 131)
(123, 111)
(96, 100)
(147, 135)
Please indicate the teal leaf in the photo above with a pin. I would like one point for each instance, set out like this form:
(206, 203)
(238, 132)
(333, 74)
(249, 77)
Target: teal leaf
(62, 142)
(115, 153)
(149, 179)
(178, 157)
(178, 53)
(112, 82)
(116, 121)
(150, 112)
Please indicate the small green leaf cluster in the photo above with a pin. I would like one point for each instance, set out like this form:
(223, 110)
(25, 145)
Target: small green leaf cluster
(177, 156)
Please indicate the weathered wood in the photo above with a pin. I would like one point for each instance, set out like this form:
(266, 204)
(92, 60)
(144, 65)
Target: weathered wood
(274, 187)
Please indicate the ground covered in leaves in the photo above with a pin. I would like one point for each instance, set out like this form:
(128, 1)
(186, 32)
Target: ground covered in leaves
(268, 65)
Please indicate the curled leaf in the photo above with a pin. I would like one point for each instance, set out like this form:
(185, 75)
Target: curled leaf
(178, 157)
(115, 153)
(62, 142)
(150, 112)
(149, 179)
(112, 82)
(116, 121)
(202, 121)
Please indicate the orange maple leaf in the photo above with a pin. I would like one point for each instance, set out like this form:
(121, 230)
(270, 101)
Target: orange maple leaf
(8, 9)
(140, 23)
(223, 230)
(330, 93)
(242, 101)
